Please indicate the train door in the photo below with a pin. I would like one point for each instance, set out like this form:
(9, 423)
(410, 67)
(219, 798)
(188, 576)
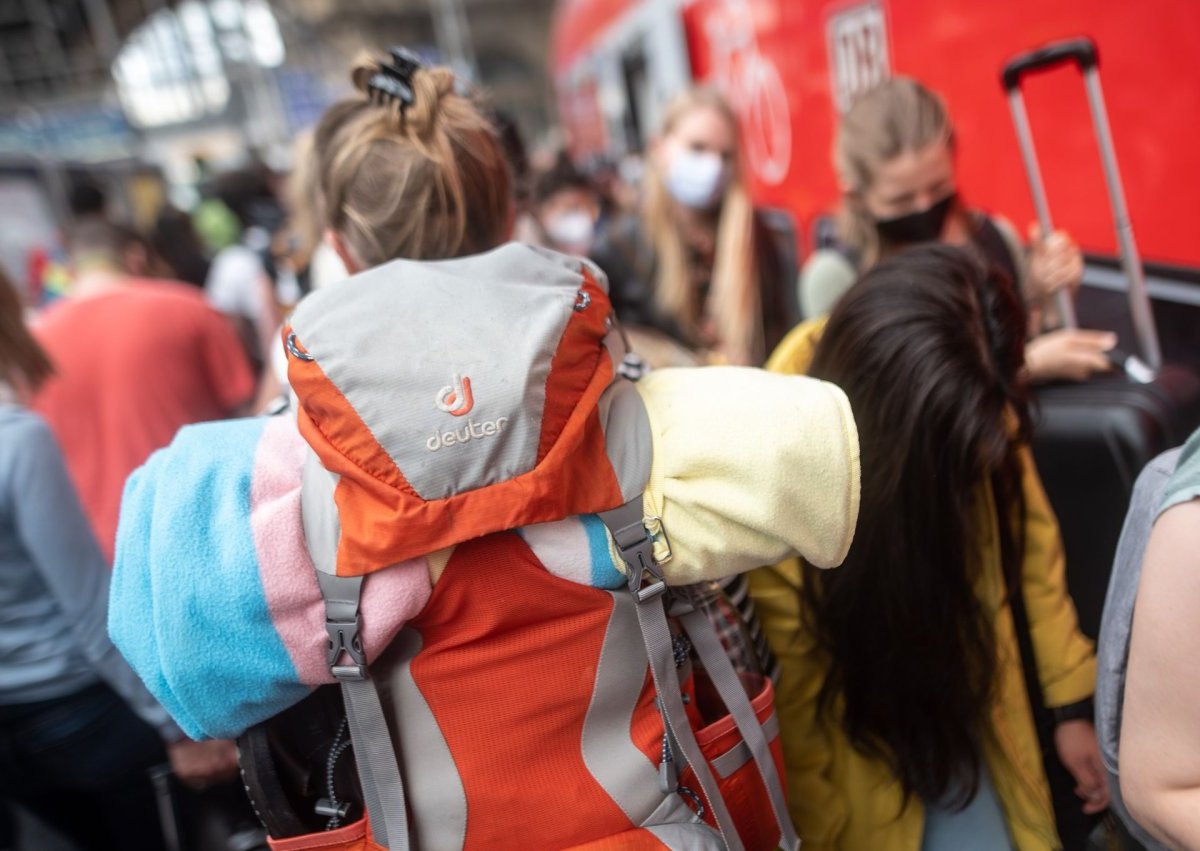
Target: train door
(613, 96)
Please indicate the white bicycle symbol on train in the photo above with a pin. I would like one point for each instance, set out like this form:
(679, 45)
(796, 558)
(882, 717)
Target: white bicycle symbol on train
(754, 87)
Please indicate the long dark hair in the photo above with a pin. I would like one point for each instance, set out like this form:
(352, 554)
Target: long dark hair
(23, 363)
(928, 347)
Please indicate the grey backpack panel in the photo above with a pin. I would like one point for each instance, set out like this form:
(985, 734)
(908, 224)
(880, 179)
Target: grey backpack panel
(424, 343)
(1117, 623)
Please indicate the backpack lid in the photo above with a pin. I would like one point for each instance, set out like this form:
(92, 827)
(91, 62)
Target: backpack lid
(455, 398)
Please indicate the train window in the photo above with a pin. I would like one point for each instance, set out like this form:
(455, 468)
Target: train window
(636, 79)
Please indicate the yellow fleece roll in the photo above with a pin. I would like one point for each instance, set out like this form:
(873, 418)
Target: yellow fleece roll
(749, 468)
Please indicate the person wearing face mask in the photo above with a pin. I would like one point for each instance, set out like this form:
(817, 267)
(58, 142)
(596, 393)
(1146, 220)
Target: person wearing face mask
(566, 206)
(894, 156)
(695, 268)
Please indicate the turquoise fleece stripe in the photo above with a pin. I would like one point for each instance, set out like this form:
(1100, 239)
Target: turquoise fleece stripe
(130, 621)
(204, 643)
(604, 569)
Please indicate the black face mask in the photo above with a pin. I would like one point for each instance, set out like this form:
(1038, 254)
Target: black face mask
(924, 226)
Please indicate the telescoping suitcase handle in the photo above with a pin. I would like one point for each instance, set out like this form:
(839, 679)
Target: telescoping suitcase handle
(1082, 52)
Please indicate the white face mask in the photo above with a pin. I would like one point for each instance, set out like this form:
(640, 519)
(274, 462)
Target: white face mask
(696, 179)
(571, 230)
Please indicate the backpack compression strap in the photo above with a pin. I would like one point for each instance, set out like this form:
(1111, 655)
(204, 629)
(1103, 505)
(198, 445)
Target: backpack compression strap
(376, 754)
(729, 686)
(627, 526)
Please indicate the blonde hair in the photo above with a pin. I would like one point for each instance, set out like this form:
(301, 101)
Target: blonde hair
(24, 365)
(896, 116)
(305, 204)
(734, 299)
(428, 181)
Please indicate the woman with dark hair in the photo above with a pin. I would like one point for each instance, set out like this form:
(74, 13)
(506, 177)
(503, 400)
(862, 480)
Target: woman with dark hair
(906, 718)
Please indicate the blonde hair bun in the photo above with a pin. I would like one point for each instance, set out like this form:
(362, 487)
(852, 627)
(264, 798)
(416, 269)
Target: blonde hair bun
(411, 166)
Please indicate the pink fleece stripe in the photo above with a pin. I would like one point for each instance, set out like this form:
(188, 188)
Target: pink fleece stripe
(391, 597)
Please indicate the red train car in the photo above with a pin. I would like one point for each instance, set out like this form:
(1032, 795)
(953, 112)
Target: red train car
(790, 67)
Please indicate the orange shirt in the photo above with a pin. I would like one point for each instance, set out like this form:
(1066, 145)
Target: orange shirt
(133, 364)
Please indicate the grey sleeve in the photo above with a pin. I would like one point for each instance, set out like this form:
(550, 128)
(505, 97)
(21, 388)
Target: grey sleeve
(51, 526)
(1112, 651)
(823, 281)
(1185, 481)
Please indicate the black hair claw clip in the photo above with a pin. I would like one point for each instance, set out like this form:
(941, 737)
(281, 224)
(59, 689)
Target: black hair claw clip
(393, 82)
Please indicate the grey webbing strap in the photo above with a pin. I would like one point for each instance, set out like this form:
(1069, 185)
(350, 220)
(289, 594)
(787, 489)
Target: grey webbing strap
(375, 753)
(729, 686)
(637, 550)
(652, 618)
(378, 767)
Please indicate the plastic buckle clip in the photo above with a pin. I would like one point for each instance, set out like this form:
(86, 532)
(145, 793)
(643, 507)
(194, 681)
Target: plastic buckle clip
(637, 549)
(344, 638)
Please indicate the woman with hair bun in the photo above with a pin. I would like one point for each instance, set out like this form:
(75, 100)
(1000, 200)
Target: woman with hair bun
(424, 181)
(532, 426)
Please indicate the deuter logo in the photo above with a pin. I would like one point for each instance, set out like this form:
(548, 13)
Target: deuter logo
(455, 398)
(471, 431)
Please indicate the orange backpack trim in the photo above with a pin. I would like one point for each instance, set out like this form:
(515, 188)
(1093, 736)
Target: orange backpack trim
(571, 368)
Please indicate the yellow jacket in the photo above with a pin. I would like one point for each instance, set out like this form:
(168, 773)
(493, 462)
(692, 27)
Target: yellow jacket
(840, 799)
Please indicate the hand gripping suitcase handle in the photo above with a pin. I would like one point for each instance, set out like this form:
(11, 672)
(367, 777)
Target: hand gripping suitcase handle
(1081, 51)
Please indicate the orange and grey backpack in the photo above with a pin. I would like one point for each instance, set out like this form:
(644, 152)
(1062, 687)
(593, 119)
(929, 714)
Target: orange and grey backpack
(476, 419)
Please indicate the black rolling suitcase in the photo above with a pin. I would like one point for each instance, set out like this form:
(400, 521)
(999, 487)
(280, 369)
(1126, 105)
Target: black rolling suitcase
(1092, 439)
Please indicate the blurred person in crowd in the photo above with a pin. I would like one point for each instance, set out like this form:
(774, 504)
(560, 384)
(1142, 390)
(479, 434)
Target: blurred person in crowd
(87, 198)
(605, 177)
(624, 188)
(316, 263)
(696, 264)
(176, 241)
(136, 359)
(566, 206)
(246, 280)
(313, 258)
(78, 730)
(525, 223)
(139, 257)
(894, 157)
(904, 702)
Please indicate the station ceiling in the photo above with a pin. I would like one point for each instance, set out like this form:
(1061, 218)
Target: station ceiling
(58, 48)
